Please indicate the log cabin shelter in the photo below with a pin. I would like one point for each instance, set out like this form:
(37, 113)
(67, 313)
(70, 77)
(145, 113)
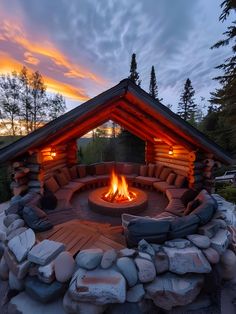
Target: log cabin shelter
(169, 139)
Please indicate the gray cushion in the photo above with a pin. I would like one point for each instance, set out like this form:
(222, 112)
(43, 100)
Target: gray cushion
(145, 180)
(175, 193)
(81, 170)
(163, 186)
(143, 170)
(66, 173)
(183, 226)
(151, 170)
(179, 181)
(52, 185)
(61, 179)
(171, 178)
(164, 173)
(73, 172)
(175, 207)
(148, 226)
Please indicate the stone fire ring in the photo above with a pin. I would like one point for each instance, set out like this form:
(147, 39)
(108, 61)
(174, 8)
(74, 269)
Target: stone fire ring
(98, 205)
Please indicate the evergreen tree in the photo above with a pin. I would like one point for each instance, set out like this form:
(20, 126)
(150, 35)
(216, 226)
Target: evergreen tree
(56, 106)
(187, 106)
(153, 89)
(134, 76)
(25, 99)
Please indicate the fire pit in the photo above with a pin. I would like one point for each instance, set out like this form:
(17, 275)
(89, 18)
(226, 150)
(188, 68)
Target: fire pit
(118, 198)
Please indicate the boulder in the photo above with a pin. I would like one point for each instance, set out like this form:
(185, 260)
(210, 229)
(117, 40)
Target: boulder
(15, 233)
(62, 273)
(4, 269)
(228, 265)
(161, 262)
(9, 219)
(146, 270)
(178, 243)
(89, 259)
(221, 241)
(145, 256)
(127, 252)
(145, 247)
(46, 273)
(18, 223)
(21, 244)
(98, 286)
(187, 260)
(135, 293)
(15, 283)
(36, 218)
(19, 269)
(109, 257)
(127, 267)
(169, 290)
(212, 255)
(44, 292)
(201, 241)
(44, 252)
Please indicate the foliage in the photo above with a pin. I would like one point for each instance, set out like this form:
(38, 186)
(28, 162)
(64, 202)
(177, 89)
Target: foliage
(153, 89)
(134, 76)
(187, 106)
(24, 103)
(228, 192)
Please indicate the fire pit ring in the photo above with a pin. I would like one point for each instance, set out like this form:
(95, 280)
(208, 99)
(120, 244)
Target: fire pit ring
(98, 205)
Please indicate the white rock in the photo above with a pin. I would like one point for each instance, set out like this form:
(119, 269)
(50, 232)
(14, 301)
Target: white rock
(15, 283)
(89, 259)
(18, 223)
(145, 255)
(46, 273)
(146, 270)
(20, 245)
(62, 273)
(108, 258)
(221, 241)
(145, 247)
(201, 241)
(178, 243)
(127, 267)
(127, 252)
(135, 294)
(98, 286)
(19, 269)
(9, 219)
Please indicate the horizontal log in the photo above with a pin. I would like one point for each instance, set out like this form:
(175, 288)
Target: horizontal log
(173, 166)
(52, 169)
(173, 161)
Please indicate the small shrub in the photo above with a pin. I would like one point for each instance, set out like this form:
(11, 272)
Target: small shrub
(228, 192)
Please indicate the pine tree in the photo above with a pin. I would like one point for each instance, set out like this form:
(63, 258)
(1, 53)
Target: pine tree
(153, 89)
(134, 76)
(187, 106)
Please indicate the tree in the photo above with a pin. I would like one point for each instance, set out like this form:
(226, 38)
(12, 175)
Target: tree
(134, 76)
(153, 89)
(187, 106)
(56, 106)
(25, 99)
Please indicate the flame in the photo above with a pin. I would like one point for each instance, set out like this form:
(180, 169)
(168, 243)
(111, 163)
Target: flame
(118, 190)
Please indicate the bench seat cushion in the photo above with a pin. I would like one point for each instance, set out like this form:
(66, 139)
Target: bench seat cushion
(74, 186)
(145, 180)
(163, 186)
(175, 207)
(183, 226)
(64, 194)
(175, 193)
(87, 180)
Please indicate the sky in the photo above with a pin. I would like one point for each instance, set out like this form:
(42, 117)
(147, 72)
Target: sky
(83, 47)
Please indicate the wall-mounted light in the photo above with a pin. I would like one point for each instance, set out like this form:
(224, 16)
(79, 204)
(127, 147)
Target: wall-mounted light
(53, 153)
(171, 152)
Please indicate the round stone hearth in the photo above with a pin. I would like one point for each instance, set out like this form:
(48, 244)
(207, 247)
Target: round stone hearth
(97, 204)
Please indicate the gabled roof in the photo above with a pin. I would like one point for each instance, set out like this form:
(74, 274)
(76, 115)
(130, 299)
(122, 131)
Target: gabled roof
(128, 105)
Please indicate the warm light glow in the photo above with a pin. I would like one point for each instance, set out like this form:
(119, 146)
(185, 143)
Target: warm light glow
(118, 190)
(53, 153)
(171, 151)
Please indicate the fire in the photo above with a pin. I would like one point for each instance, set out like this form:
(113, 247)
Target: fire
(118, 190)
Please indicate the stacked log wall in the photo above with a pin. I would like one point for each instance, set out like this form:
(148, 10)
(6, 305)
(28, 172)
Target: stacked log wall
(19, 177)
(149, 152)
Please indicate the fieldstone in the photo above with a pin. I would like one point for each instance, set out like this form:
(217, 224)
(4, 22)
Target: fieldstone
(127, 252)
(221, 241)
(209, 229)
(161, 262)
(9, 219)
(109, 257)
(156, 247)
(15, 283)
(4, 269)
(19, 269)
(228, 265)
(73, 307)
(221, 222)
(62, 273)
(128, 269)
(212, 255)
(3, 236)
(46, 273)
(145, 255)
(98, 286)
(18, 223)
(135, 294)
(44, 292)
(187, 260)
(44, 252)
(178, 243)
(145, 247)
(20, 245)
(201, 241)
(169, 290)
(89, 259)
(146, 269)
(15, 233)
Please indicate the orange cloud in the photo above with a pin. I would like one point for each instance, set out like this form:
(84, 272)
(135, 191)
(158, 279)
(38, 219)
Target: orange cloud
(29, 58)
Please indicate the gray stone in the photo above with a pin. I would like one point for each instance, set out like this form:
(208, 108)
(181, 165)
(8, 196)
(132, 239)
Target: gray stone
(178, 243)
(3, 236)
(4, 269)
(135, 294)
(169, 290)
(201, 241)
(127, 267)
(15, 233)
(127, 252)
(46, 273)
(18, 223)
(98, 286)
(221, 241)
(146, 270)
(62, 273)
(9, 219)
(228, 265)
(212, 255)
(20, 245)
(161, 262)
(156, 247)
(74, 307)
(109, 257)
(44, 252)
(2, 249)
(89, 259)
(44, 292)
(221, 222)
(145, 247)
(187, 260)
(209, 229)
(19, 269)
(145, 256)
(15, 283)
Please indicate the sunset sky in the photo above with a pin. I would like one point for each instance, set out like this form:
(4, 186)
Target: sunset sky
(83, 47)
